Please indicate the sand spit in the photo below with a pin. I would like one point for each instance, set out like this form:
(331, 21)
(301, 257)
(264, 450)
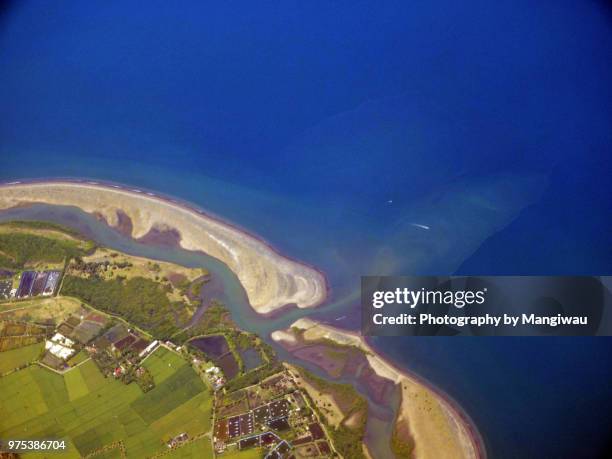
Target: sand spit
(270, 280)
(438, 428)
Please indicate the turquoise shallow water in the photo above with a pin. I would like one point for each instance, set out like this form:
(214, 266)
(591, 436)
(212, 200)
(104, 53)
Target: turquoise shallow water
(331, 129)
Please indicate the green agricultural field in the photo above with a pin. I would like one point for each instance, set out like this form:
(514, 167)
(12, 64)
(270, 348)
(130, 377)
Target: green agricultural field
(252, 453)
(111, 453)
(21, 400)
(79, 357)
(90, 411)
(14, 358)
(163, 363)
(200, 449)
(193, 417)
(175, 390)
(75, 384)
(92, 376)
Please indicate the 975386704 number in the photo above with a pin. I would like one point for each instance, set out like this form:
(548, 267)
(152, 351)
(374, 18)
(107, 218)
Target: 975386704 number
(17, 446)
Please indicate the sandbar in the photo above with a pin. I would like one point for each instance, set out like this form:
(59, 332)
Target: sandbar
(435, 423)
(270, 280)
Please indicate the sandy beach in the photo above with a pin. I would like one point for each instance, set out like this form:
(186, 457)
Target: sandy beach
(270, 279)
(438, 428)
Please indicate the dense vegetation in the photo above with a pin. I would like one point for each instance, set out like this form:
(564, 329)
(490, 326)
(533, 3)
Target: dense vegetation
(255, 376)
(140, 301)
(347, 440)
(216, 319)
(403, 448)
(17, 249)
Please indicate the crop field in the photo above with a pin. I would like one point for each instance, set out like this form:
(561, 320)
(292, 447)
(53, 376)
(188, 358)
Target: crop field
(8, 328)
(14, 358)
(75, 384)
(195, 450)
(15, 342)
(12, 329)
(175, 390)
(163, 363)
(90, 411)
(182, 419)
(251, 453)
(79, 357)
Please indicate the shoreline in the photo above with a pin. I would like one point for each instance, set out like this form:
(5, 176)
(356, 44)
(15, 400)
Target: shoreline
(385, 368)
(380, 364)
(453, 406)
(297, 283)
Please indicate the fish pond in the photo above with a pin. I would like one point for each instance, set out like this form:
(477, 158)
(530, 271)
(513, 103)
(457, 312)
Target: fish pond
(217, 349)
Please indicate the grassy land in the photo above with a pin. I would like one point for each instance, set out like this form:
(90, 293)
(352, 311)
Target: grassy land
(185, 417)
(44, 228)
(79, 357)
(194, 450)
(92, 411)
(253, 453)
(38, 245)
(42, 310)
(175, 390)
(75, 384)
(9, 343)
(163, 363)
(111, 263)
(15, 358)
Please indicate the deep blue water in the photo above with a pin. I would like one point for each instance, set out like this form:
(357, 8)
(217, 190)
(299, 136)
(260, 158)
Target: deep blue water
(490, 122)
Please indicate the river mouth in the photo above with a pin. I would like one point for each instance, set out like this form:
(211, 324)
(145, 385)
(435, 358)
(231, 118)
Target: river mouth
(226, 288)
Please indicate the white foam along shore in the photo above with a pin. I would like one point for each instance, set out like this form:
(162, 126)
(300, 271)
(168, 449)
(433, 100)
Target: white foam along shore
(270, 279)
(439, 429)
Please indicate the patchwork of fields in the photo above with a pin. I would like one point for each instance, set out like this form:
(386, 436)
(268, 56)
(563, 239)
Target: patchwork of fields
(90, 411)
(14, 358)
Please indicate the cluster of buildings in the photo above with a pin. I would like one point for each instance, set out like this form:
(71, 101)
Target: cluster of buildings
(120, 348)
(71, 336)
(115, 350)
(136, 345)
(280, 422)
(60, 346)
(119, 340)
(215, 377)
(178, 440)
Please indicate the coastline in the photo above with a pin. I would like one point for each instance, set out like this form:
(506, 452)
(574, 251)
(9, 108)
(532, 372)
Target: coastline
(141, 227)
(272, 281)
(454, 408)
(465, 432)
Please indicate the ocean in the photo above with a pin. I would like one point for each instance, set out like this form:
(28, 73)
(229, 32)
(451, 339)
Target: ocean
(337, 132)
